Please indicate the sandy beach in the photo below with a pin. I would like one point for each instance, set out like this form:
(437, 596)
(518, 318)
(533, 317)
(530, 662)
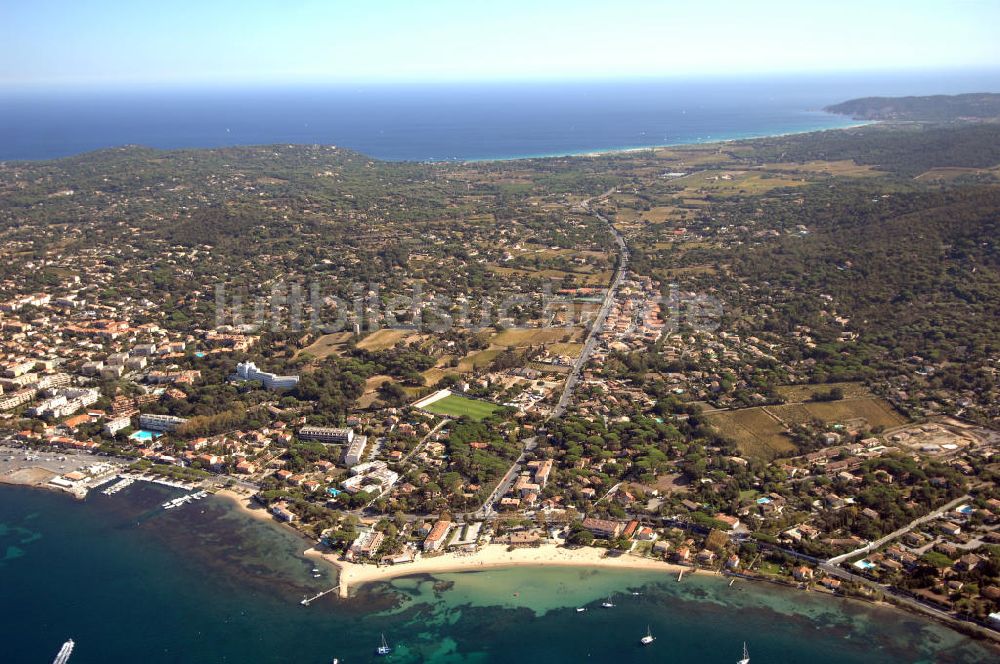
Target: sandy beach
(492, 556)
(247, 504)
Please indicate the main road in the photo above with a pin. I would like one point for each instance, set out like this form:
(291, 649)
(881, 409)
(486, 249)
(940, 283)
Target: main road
(872, 546)
(602, 316)
(488, 508)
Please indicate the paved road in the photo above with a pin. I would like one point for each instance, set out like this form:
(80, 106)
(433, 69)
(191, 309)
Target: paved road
(597, 326)
(423, 441)
(871, 546)
(488, 508)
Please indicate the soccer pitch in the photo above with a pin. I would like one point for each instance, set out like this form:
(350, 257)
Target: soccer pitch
(456, 406)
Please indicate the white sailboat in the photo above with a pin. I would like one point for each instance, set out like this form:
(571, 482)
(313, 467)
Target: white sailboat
(746, 656)
(649, 638)
(383, 649)
(608, 604)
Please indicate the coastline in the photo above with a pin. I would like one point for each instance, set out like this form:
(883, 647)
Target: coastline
(642, 148)
(245, 504)
(585, 153)
(351, 576)
(491, 556)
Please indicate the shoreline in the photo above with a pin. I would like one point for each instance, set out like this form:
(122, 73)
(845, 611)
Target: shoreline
(582, 153)
(351, 576)
(642, 148)
(491, 556)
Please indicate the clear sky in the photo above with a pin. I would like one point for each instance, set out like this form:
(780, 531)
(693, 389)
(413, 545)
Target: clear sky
(107, 42)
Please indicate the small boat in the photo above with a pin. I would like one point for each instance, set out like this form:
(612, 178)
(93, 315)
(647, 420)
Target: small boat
(649, 638)
(581, 609)
(746, 656)
(383, 649)
(63, 655)
(608, 604)
(636, 594)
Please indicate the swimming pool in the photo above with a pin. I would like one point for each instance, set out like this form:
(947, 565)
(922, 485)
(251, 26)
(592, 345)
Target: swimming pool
(143, 434)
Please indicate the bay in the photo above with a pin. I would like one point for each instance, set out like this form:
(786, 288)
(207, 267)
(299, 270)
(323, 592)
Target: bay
(209, 583)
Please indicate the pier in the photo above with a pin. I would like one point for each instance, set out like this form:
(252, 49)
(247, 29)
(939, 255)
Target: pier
(309, 600)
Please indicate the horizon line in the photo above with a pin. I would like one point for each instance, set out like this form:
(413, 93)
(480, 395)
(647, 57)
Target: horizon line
(101, 85)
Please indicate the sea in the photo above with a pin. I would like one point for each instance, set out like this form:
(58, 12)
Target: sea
(131, 582)
(449, 121)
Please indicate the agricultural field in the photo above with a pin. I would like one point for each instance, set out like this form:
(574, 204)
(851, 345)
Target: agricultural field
(534, 336)
(762, 431)
(458, 406)
(730, 183)
(841, 168)
(754, 431)
(568, 349)
(383, 339)
(947, 174)
(797, 393)
(875, 412)
(587, 278)
(477, 360)
(327, 345)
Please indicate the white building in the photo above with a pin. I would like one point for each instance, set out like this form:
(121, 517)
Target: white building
(160, 422)
(327, 434)
(249, 371)
(355, 452)
(112, 427)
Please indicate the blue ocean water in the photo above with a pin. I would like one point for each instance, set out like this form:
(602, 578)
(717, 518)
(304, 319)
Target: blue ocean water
(207, 583)
(447, 121)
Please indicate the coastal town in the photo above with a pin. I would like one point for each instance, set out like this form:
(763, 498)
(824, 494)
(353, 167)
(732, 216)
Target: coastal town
(612, 413)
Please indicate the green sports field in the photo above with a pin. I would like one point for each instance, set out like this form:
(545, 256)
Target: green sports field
(456, 406)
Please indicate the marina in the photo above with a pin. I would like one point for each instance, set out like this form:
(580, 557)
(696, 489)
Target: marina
(184, 500)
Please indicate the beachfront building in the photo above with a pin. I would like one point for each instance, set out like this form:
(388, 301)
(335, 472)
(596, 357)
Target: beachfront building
(154, 422)
(438, 535)
(281, 511)
(327, 434)
(365, 545)
(249, 371)
(603, 528)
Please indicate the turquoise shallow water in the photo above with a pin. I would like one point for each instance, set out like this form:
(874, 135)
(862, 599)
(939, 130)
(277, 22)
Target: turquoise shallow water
(205, 583)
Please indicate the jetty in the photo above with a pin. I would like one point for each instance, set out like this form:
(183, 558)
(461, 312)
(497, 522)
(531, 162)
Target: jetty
(309, 600)
(123, 483)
